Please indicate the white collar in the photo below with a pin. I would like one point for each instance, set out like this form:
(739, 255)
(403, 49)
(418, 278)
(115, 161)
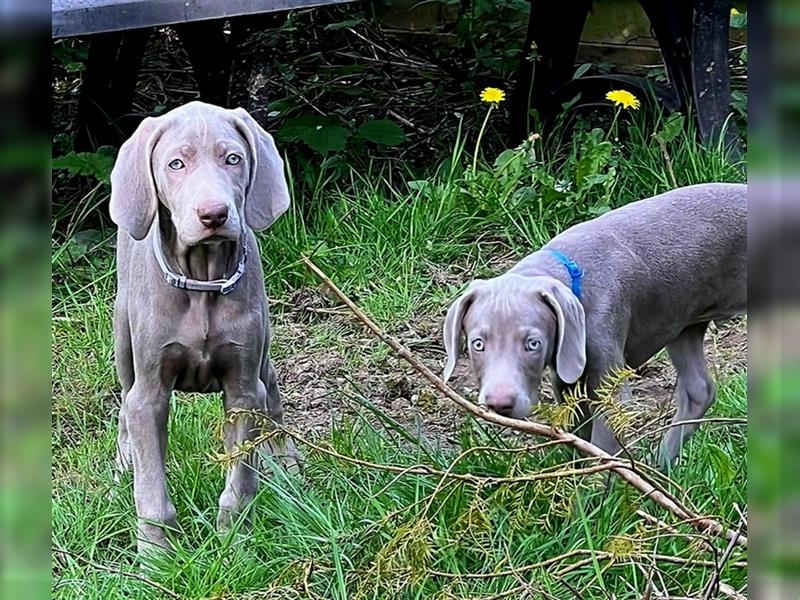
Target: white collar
(222, 286)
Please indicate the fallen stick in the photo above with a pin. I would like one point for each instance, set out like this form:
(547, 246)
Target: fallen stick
(704, 524)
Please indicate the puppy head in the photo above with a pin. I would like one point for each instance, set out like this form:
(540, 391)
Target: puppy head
(213, 169)
(514, 327)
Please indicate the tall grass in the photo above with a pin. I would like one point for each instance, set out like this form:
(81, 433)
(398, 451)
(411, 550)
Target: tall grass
(402, 246)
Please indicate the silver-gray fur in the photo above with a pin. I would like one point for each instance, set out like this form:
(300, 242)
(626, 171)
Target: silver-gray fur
(656, 272)
(199, 178)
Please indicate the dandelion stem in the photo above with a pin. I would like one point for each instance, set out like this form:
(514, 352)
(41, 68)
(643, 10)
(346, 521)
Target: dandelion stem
(614, 122)
(480, 136)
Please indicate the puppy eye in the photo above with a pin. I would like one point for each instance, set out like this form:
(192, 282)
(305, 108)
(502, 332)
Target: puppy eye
(176, 165)
(477, 345)
(233, 159)
(532, 345)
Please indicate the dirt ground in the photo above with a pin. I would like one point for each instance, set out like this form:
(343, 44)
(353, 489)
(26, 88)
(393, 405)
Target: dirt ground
(325, 379)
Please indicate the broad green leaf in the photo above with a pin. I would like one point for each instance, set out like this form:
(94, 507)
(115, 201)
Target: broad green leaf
(90, 164)
(671, 129)
(382, 131)
(295, 128)
(327, 138)
(504, 158)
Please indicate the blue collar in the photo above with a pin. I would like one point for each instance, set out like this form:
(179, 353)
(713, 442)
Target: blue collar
(575, 272)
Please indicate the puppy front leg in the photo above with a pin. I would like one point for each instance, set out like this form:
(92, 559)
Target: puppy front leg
(244, 415)
(147, 411)
(602, 435)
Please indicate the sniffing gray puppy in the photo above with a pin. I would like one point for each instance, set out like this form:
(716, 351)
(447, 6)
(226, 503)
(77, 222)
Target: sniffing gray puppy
(191, 313)
(608, 293)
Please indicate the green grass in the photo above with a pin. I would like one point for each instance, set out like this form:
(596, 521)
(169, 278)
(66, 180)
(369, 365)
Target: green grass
(400, 249)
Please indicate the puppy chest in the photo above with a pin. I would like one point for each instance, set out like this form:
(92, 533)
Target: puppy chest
(200, 358)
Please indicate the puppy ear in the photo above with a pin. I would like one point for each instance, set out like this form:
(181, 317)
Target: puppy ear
(268, 194)
(133, 189)
(571, 346)
(453, 323)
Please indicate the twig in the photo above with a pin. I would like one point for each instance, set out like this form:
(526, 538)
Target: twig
(704, 420)
(638, 481)
(650, 518)
(114, 571)
(420, 469)
(668, 161)
(715, 578)
(728, 591)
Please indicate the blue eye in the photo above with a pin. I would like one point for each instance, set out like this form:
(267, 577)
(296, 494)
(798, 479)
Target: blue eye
(233, 159)
(176, 165)
(532, 345)
(477, 345)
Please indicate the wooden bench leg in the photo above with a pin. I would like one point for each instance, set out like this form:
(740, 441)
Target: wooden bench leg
(211, 54)
(548, 61)
(671, 23)
(711, 74)
(109, 81)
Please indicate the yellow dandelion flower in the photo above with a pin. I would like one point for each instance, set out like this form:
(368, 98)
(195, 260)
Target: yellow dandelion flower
(623, 98)
(493, 95)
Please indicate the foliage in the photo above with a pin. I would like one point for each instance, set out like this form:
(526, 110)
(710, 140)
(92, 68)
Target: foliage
(96, 165)
(330, 134)
(402, 245)
(71, 54)
(494, 31)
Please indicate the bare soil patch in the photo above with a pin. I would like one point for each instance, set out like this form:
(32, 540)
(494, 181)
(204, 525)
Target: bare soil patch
(329, 365)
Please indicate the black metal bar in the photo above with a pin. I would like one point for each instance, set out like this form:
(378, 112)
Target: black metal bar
(711, 73)
(82, 17)
(112, 70)
(671, 23)
(548, 61)
(211, 53)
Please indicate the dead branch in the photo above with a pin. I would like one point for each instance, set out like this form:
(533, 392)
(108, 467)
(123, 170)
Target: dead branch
(625, 471)
(713, 584)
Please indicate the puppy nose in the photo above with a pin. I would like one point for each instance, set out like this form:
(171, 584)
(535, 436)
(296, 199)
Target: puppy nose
(213, 216)
(501, 399)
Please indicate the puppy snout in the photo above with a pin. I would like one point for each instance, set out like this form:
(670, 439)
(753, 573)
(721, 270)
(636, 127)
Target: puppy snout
(213, 216)
(501, 399)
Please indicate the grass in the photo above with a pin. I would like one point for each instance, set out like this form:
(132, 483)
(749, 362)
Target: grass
(401, 247)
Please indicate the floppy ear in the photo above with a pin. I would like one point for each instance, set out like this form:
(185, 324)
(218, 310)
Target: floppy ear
(571, 347)
(133, 189)
(268, 194)
(452, 328)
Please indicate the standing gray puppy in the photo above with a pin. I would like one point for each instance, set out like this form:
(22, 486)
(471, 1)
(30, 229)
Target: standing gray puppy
(191, 314)
(608, 293)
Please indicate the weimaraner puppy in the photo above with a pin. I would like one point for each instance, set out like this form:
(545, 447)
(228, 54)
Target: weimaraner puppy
(608, 293)
(191, 313)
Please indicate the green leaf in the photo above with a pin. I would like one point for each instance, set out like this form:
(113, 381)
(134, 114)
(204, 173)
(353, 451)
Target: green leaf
(739, 21)
(582, 70)
(327, 138)
(89, 164)
(383, 132)
(319, 133)
(567, 106)
(294, 129)
(595, 155)
(672, 128)
(504, 159)
(343, 24)
(721, 464)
